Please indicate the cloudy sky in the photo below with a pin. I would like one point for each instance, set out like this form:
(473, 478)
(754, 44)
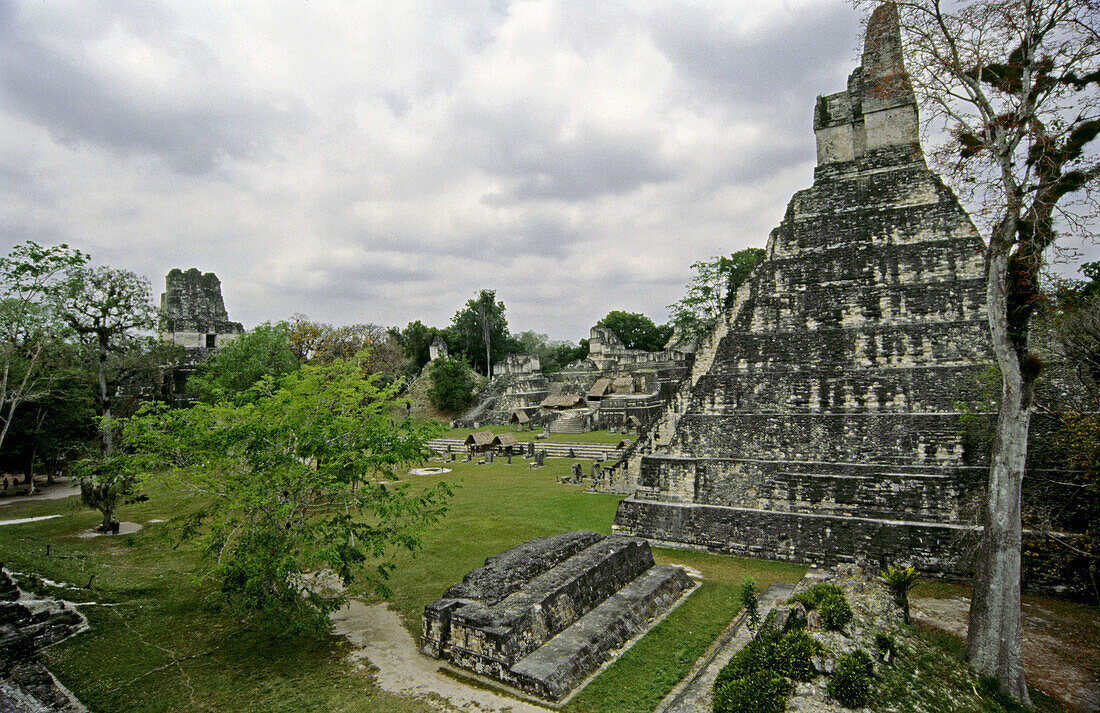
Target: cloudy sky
(366, 161)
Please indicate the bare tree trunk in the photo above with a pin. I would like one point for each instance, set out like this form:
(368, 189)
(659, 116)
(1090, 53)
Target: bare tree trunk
(104, 400)
(994, 641)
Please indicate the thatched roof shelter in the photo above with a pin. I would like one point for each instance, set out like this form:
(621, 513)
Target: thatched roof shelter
(599, 389)
(507, 443)
(480, 441)
(632, 422)
(564, 401)
(519, 416)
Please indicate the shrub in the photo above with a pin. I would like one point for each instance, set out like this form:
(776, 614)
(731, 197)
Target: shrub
(900, 580)
(794, 652)
(755, 679)
(759, 692)
(829, 600)
(748, 600)
(851, 680)
(452, 387)
(885, 643)
(835, 613)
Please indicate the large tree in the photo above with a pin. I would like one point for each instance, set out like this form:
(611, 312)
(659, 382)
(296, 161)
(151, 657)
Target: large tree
(482, 330)
(294, 486)
(710, 292)
(104, 306)
(1014, 84)
(30, 277)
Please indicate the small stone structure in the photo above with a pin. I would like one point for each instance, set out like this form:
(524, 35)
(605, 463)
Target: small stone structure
(438, 348)
(193, 312)
(544, 615)
(519, 364)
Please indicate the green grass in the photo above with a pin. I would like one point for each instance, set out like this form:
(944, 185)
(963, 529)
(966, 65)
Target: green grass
(590, 437)
(929, 656)
(155, 647)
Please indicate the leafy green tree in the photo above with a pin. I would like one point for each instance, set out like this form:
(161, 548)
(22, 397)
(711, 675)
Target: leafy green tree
(481, 331)
(317, 342)
(103, 305)
(636, 331)
(57, 425)
(417, 340)
(452, 387)
(711, 291)
(30, 278)
(294, 487)
(231, 374)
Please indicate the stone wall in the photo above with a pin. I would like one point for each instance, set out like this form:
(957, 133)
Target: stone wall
(193, 312)
(542, 616)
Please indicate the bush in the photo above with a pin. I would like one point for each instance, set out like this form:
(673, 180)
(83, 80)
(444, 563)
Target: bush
(851, 681)
(760, 692)
(452, 386)
(794, 654)
(829, 600)
(900, 580)
(835, 613)
(885, 643)
(755, 679)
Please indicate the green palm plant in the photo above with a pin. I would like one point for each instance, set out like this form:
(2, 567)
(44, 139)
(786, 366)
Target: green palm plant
(900, 580)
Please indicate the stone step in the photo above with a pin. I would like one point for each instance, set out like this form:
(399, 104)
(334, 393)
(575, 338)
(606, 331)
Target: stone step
(554, 669)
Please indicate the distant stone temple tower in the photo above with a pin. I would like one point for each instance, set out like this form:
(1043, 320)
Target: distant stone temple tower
(192, 311)
(820, 424)
(438, 348)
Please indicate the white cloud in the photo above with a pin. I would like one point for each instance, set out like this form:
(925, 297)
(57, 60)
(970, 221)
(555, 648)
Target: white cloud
(370, 161)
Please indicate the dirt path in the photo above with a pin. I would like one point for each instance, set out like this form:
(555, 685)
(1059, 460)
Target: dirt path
(1061, 652)
(377, 635)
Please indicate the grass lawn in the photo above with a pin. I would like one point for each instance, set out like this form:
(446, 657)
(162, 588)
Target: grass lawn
(153, 646)
(590, 437)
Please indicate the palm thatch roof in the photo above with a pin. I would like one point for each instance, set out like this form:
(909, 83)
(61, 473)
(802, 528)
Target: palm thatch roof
(564, 401)
(506, 440)
(480, 440)
(600, 388)
(519, 416)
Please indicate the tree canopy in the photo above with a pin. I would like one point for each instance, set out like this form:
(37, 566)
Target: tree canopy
(295, 486)
(231, 373)
(480, 331)
(710, 292)
(636, 331)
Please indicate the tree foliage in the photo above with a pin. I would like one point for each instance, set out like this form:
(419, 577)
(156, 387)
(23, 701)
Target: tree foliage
(480, 331)
(103, 305)
(31, 277)
(416, 339)
(636, 331)
(452, 387)
(234, 373)
(317, 342)
(710, 292)
(295, 487)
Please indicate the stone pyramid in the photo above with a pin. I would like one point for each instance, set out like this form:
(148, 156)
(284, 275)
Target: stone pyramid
(820, 423)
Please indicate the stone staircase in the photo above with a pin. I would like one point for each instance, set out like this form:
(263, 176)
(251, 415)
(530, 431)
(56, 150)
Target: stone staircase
(570, 422)
(544, 615)
(622, 477)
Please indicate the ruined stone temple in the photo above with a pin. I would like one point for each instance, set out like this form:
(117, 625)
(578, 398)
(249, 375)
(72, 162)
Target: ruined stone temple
(544, 615)
(193, 312)
(602, 391)
(819, 423)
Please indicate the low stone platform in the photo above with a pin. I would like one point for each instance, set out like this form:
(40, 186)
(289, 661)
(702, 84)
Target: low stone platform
(542, 616)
